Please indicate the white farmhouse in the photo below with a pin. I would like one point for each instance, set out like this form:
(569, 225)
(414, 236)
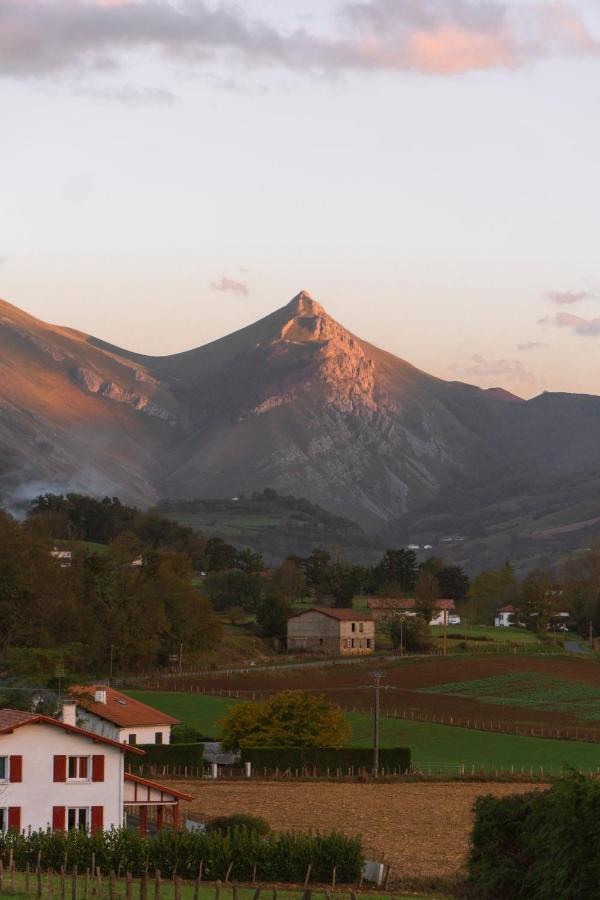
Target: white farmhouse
(117, 716)
(505, 617)
(56, 775)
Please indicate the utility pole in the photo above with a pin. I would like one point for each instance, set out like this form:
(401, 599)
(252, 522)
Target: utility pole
(591, 635)
(181, 657)
(401, 635)
(376, 676)
(445, 632)
(110, 677)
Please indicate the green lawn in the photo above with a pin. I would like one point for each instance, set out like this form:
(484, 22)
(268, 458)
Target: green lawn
(450, 746)
(195, 710)
(532, 690)
(486, 633)
(430, 744)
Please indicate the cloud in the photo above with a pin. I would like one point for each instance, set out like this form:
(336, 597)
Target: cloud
(530, 345)
(568, 297)
(578, 325)
(132, 96)
(477, 366)
(229, 284)
(445, 37)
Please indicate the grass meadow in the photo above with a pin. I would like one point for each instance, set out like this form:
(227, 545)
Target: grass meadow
(431, 745)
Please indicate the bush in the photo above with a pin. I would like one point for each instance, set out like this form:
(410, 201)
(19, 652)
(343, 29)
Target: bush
(185, 734)
(158, 755)
(225, 824)
(538, 846)
(344, 758)
(280, 858)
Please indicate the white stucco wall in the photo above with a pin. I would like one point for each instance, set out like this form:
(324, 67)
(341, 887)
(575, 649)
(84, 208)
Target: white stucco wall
(145, 734)
(38, 793)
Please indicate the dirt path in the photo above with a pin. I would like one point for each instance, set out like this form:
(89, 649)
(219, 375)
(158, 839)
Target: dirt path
(422, 829)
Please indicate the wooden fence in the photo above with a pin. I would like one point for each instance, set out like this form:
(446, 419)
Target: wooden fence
(94, 884)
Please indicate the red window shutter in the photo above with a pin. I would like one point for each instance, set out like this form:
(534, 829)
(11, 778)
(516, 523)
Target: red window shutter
(97, 818)
(14, 818)
(60, 768)
(58, 818)
(97, 768)
(16, 769)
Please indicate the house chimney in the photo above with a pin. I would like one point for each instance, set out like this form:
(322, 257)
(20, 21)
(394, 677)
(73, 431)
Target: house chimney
(100, 695)
(69, 712)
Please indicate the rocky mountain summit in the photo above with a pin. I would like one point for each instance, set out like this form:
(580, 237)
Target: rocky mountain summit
(294, 402)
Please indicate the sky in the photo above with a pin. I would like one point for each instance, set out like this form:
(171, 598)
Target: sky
(429, 170)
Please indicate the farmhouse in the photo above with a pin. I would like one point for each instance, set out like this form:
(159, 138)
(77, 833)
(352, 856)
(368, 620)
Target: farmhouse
(56, 775)
(105, 711)
(336, 632)
(505, 617)
(385, 608)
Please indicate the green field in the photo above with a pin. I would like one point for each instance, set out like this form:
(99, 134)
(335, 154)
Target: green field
(486, 633)
(195, 710)
(532, 690)
(435, 745)
(167, 890)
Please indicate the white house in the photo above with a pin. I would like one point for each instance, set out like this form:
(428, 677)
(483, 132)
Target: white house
(117, 716)
(56, 775)
(505, 617)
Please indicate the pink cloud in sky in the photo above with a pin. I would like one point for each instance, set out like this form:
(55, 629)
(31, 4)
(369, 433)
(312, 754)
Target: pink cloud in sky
(444, 37)
(230, 284)
(579, 325)
(565, 298)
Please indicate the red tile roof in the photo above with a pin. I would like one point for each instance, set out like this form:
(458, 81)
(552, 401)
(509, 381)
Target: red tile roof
(343, 615)
(10, 719)
(129, 776)
(507, 609)
(120, 709)
(403, 603)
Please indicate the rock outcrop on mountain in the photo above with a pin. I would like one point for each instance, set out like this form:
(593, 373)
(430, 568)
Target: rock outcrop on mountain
(294, 402)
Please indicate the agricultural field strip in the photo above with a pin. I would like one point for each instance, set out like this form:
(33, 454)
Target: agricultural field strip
(430, 744)
(532, 690)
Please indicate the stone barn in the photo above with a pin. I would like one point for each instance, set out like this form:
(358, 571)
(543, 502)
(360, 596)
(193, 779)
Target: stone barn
(335, 632)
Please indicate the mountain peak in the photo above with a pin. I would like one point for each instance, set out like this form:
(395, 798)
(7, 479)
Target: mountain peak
(304, 305)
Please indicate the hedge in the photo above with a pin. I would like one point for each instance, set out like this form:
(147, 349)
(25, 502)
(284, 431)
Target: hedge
(538, 846)
(344, 758)
(166, 755)
(279, 858)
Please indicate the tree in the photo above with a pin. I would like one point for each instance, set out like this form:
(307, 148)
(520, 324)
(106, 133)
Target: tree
(489, 591)
(413, 631)
(289, 579)
(579, 579)
(272, 614)
(290, 719)
(452, 580)
(538, 593)
(398, 568)
(236, 615)
(427, 593)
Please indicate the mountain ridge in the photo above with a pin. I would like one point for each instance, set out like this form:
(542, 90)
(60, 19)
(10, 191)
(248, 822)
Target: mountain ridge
(293, 401)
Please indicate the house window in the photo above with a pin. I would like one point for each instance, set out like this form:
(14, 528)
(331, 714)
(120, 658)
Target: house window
(368, 643)
(132, 739)
(78, 818)
(158, 737)
(353, 643)
(78, 768)
(3, 768)
(354, 626)
(3, 818)
(320, 642)
(361, 626)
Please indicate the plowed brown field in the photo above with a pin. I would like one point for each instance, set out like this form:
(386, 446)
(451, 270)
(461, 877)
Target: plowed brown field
(349, 685)
(421, 829)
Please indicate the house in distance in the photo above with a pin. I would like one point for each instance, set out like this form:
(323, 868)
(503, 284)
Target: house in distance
(334, 632)
(105, 711)
(385, 608)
